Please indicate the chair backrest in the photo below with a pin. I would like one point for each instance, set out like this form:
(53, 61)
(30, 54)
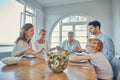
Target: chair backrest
(118, 78)
(116, 67)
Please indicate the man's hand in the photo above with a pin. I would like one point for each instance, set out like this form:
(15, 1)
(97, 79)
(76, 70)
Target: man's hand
(58, 48)
(72, 57)
(78, 49)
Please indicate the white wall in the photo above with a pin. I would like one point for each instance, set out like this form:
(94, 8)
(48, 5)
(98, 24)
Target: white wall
(32, 3)
(99, 10)
(39, 15)
(39, 22)
(106, 11)
(116, 24)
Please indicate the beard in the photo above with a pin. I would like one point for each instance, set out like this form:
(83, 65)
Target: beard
(93, 33)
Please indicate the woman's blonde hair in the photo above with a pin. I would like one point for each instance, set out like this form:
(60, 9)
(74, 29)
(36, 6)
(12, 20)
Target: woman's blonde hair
(96, 43)
(25, 28)
(42, 30)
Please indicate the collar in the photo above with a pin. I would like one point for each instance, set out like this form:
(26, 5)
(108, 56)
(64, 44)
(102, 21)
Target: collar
(100, 35)
(72, 41)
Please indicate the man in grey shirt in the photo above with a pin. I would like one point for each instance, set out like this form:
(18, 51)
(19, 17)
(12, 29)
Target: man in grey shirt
(71, 44)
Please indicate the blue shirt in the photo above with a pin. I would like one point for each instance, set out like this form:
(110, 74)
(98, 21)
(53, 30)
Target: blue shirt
(70, 47)
(108, 46)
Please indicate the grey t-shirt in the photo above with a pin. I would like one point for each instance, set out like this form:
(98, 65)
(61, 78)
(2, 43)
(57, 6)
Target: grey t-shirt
(102, 66)
(20, 47)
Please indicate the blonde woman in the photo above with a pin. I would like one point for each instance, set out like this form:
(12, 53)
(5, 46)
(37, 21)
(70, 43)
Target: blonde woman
(23, 43)
(41, 44)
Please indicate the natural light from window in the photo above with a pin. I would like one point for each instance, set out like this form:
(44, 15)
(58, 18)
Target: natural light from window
(10, 11)
(77, 24)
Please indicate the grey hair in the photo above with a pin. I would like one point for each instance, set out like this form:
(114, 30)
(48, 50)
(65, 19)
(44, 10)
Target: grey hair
(70, 32)
(42, 30)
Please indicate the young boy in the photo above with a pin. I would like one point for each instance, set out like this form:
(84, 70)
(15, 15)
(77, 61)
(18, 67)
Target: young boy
(101, 64)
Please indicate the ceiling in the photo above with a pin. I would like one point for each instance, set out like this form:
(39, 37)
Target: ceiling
(47, 3)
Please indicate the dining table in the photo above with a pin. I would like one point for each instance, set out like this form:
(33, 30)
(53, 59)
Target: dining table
(34, 69)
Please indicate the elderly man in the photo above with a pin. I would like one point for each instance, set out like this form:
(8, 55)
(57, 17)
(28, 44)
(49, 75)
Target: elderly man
(108, 46)
(71, 44)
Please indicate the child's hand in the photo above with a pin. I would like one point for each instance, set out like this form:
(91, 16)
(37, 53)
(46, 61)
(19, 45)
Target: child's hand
(58, 48)
(78, 49)
(72, 58)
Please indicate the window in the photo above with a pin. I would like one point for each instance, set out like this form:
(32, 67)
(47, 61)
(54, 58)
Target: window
(77, 24)
(65, 30)
(13, 15)
(28, 16)
(10, 21)
(55, 36)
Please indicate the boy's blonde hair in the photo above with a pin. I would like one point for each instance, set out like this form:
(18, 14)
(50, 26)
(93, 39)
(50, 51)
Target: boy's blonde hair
(96, 43)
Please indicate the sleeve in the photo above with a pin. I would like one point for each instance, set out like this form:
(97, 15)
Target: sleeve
(78, 44)
(93, 58)
(34, 46)
(108, 49)
(47, 45)
(20, 48)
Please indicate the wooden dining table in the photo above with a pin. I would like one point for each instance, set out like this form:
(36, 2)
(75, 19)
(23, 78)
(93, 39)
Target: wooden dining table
(34, 69)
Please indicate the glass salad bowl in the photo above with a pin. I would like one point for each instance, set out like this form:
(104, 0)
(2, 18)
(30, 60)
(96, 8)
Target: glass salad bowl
(58, 62)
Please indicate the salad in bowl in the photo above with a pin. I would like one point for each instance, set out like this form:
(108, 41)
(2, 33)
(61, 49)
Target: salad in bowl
(58, 61)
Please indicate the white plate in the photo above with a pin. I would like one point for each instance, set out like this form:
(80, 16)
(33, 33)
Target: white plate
(86, 63)
(29, 56)
(81, 61)
(11, 60)
(80, 54)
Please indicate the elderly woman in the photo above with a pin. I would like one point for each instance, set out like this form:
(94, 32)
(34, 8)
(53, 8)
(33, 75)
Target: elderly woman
(23, 42)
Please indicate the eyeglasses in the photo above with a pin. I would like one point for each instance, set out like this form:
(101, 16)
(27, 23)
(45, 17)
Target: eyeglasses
(89, 46)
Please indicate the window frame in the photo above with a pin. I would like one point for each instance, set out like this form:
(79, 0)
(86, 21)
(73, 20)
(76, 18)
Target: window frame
(23, 15)
(73, 24)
